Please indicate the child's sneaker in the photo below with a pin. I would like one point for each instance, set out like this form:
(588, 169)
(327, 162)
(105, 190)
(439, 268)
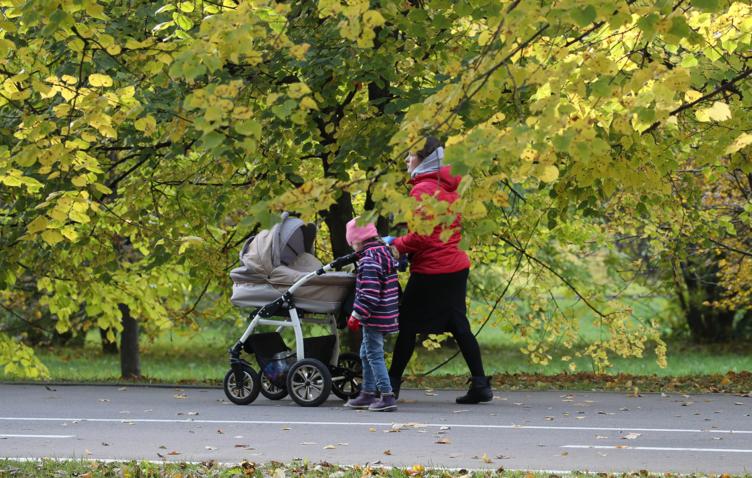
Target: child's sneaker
(362, 401)
(387, 403)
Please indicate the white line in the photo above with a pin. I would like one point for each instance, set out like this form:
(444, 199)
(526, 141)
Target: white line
(369, 424)
(5, 435)
(659, 448)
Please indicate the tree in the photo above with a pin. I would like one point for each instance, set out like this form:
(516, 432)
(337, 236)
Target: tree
(181, 127)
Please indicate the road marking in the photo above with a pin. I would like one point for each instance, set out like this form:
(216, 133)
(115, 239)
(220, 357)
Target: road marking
(658, 448)
(6, 435)
(369, 424)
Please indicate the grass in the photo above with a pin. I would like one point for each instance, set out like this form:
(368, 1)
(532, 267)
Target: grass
(300, 469)
(185, 356)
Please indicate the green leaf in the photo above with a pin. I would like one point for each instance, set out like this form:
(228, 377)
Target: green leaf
(583, 16)
(706, 5)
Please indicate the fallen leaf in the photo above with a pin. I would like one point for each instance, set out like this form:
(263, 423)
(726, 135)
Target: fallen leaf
(372, 429)
(241, 446)
(329, 447)
(180, 396)
(219, 431)
(174, 453)
(486, 459)
(387, 452)
(122, 389)
(87, 451)
(631, 436)
(105, 444)
(285, 429)
(564, 453)
(210, 448)
(443, 441)
(550, 419)
(162, 447)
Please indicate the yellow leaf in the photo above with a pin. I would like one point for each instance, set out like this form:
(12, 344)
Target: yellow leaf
(308, 103)
(549, 174)
(97, 79)
(79, 216)
(297, 90)
(79, 181)
(742, 141)
(692, 95)
(373, 18)
(38, 224)
(52, 237)
(70, 233)
(299, 51)
(147, 124)
(718, 112)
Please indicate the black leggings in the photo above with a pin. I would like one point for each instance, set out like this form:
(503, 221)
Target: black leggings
(459, 328)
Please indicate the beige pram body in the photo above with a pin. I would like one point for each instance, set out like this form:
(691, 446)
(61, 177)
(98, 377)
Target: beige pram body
(275, 259)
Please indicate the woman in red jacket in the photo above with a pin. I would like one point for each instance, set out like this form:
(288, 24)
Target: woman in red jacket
(434, 298)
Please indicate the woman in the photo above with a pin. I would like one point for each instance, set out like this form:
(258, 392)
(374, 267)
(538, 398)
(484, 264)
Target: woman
(434, 298)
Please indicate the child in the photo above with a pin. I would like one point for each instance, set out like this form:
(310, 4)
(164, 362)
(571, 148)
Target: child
(376, 307)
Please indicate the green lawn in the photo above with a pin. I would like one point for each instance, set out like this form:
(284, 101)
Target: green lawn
(178, 357)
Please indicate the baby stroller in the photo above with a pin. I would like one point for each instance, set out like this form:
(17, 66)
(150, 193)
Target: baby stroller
(287, 286)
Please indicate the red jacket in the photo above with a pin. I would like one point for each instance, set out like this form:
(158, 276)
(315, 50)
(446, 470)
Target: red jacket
(429, 254)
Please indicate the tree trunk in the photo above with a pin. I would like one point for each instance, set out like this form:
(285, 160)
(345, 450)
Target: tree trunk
(108, 348)
(130, 361)
(336, 220)
(706, 323)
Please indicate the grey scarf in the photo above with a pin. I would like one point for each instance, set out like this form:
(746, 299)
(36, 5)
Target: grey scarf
(430, 164)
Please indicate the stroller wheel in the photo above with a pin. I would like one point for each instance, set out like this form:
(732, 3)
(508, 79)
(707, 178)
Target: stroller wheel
(347, 376)
(245, 392)
(271, 391)
(309, 383)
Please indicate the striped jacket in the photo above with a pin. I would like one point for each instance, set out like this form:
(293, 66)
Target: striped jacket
(376, 288)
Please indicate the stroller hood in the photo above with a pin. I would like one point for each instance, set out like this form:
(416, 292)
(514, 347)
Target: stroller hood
(282, 245)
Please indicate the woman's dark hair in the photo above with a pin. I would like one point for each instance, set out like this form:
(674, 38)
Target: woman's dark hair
(431, 144)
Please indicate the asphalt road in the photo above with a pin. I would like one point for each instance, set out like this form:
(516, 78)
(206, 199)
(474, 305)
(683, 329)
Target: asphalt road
(554, 431)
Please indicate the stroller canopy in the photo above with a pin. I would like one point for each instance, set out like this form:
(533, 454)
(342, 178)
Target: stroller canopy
(275, 259)
(282, 245)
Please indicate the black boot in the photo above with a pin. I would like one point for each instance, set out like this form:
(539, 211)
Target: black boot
(480, 391)
(396, 383)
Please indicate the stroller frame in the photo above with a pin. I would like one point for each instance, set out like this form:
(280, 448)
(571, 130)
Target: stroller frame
(307, 376)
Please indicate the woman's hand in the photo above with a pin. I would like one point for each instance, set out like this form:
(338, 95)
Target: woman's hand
(394, 251)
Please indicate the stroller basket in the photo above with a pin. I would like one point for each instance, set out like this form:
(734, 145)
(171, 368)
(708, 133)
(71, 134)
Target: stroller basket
(274, 357)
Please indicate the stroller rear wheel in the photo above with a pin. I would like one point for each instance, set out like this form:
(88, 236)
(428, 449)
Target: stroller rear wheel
(271, 391)
(309, 383)
(245, 392)
(347, 376)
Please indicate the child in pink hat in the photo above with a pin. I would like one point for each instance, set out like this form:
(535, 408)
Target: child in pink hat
(376, 307)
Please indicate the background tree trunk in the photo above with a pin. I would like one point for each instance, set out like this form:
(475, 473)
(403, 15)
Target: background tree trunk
(130, 360)
(108, 348)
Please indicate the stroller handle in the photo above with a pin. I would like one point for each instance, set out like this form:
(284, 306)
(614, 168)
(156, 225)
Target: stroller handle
(337, 263)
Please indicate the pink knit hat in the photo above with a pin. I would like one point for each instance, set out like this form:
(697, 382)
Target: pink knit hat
(355, 233)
